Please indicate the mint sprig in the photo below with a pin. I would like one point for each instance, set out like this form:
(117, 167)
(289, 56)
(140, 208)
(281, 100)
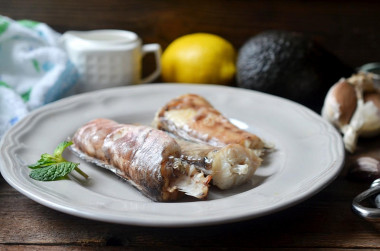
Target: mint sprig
(54, 167)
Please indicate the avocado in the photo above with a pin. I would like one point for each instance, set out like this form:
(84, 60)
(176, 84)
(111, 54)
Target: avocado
(290, 65)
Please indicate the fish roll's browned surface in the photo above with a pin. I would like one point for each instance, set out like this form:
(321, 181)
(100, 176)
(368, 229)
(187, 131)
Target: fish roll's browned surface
(146, 157)
(90, 137)
(192, 117)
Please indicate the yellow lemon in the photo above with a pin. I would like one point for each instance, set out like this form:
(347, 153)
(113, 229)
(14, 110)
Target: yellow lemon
(199, 58)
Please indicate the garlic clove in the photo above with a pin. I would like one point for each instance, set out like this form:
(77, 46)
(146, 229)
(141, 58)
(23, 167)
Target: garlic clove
(353, 106)
(340, 103)
(374, 98)
(371, 125)
(364, 168)
(364, 122)
(364, 81)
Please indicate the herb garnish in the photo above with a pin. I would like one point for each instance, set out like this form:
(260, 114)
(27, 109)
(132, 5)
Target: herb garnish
(54, 167)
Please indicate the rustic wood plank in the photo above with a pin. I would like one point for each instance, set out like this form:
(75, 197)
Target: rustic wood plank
(54, 248)
(348, 29)
(326, 220)
(75, 248)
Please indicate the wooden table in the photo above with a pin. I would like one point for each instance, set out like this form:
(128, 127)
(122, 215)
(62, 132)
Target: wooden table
(350, 29)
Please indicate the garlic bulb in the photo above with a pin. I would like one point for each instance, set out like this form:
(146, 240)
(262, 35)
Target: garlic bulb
(353, 106)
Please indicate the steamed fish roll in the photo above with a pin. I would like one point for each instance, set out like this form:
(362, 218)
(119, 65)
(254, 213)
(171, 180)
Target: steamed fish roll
(146, 157)
(193, 118)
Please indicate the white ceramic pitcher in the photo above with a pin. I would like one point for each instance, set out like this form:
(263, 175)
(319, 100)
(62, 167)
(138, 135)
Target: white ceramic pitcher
(109, 58)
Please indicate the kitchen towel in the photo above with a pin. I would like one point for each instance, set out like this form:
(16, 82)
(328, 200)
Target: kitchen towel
(34, 70)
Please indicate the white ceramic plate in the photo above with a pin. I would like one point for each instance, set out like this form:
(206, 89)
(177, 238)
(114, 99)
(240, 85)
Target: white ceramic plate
(309, 154)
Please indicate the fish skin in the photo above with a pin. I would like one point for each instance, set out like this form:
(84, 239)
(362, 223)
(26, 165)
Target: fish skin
(140, 154)
(193, 118)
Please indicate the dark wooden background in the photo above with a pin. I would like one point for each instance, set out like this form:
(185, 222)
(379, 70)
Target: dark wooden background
(349, 29)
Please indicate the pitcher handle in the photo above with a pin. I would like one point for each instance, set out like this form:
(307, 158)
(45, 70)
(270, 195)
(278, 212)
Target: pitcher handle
(156, 49)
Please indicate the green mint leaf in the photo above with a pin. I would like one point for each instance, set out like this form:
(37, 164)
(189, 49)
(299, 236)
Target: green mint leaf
(53, 172)
(54, 167)
(45, 160)
(60, 148)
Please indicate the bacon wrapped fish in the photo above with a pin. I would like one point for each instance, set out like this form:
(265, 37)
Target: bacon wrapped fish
(146, 157)
(193, 118)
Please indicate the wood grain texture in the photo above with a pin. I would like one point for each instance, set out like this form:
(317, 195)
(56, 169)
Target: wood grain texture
(324, 221)
(349, 29)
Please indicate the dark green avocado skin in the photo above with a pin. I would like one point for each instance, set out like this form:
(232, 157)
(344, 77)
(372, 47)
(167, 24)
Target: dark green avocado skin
(289, 65)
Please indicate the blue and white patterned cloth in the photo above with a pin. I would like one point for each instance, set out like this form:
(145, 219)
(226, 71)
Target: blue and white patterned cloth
(34, 70)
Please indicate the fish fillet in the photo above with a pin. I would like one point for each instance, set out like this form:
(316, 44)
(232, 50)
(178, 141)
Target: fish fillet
(229, 166)
(146, 157)
(193, 118)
